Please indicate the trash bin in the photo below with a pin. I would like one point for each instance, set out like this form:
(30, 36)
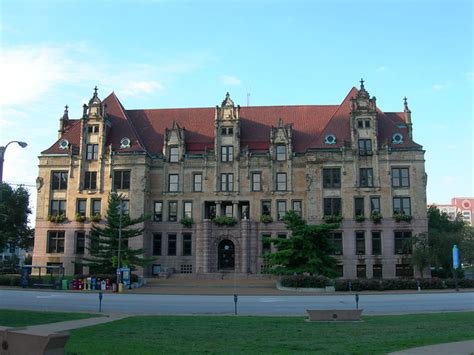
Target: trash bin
(114, 287)
(120, 287)
(65, 284)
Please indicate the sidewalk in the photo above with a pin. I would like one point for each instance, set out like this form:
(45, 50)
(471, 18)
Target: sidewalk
(458, 348)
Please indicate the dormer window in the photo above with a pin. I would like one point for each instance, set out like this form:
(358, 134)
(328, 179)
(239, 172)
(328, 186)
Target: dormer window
(93, 129)
(63, 144)
(125, 142)
(397, 138)
(227, 131)
(173, 154)
(330, 139)
(363, 124)
(281, 152)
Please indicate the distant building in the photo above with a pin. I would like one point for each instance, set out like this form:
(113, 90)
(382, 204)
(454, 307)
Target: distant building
(461, 205)
(346, 161)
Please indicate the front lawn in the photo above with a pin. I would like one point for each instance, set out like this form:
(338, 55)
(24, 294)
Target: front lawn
(13, 318)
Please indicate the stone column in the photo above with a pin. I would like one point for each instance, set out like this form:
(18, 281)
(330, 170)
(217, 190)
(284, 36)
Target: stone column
(206, 232)
(218, 208)
(244, 232)
(235, 209)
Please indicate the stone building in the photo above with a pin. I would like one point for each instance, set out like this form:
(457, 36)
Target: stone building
(251, 163)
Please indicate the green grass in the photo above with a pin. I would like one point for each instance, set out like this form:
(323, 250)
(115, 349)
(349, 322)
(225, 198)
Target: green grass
(13, 318)
(276, 335)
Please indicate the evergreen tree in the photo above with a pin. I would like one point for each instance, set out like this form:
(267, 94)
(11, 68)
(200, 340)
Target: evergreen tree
(104, 241)
(307, 250)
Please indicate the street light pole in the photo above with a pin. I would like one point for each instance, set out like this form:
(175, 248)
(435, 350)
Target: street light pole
(119, 273)
(2, 155)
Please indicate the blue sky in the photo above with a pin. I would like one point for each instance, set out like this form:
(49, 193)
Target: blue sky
(157, 54)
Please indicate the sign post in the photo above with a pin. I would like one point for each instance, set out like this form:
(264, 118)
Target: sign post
(455, 265)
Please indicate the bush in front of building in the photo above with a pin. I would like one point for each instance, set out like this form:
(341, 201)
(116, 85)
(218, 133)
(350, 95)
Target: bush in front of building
(400, 284)
(9, 280)
(224, 221)
(306, 281)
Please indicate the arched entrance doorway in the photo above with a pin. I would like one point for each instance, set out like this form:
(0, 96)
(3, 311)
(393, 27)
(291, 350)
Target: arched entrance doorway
(226, 255)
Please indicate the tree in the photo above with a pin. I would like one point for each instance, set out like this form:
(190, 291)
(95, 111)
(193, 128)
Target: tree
(306, 251)
(421, 256)
(104, 241)
(14, 211)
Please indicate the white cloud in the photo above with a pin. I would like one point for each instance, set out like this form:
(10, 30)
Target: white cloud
(469, 75)
(381, 68)
(230, 80)
(438, 87)
(140, 87)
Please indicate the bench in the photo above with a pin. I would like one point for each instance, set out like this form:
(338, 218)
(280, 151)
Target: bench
(23, 341)
(325, 315)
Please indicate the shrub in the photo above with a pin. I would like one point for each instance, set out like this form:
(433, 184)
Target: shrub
(400, 284)
(58, 218)
(265, 218)
(360, 218)
(376, 217)
(224, 221)
(401, 217)
(80, 218)
(186, 221)
(96, 218)
(10, 280)
(306, 281)
(333, 218)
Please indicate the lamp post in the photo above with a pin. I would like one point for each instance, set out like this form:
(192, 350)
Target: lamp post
(2, 155)
(119, 273)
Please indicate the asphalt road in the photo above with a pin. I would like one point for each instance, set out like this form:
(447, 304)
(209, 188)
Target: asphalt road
(246, 305)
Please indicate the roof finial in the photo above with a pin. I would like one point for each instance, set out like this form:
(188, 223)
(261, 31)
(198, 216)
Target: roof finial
(95, 90)
(405, 104)
(362, 84)
(66, 112)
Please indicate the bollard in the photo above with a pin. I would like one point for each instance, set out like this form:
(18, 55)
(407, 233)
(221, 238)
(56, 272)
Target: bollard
(100, 302)
(418, 285)
(350, 286)
(235, 303)
(357, 300)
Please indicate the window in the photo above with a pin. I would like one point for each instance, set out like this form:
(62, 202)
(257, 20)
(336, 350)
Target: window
(339, 270)
(95, 207)
(361, 271)
(377, 271)
(403, 270)
(402, 205)
(375, 204)
(197, 182)
(281, 209)
(156, 243)
(80, 242)
(366, 177)
(121, 180)
(403, 242)
(266, 208)
(367, 124)
(187, 244)
(125, 206)
(332, 206)
(90, 180)
(376, 243)
(188, 209)
(365, 147)
(173, 182)
(266, 245)
(281, 181)
(173, 154)
(228, 210)
(59, 180)
(297, 207)
(400, 177)
(158, 211)
(336, 239)
(360, 124)
(171, 244)
(54, 268)
(92, 151)
(56, 241)
(256, 181)
(93, 128)
(358, 206)
(360, 243)
(280, 152)
(227, 182)
(58, 207)
(332, 178)
(81, 206)
(227, 131)
(227, 153)
(172, 211)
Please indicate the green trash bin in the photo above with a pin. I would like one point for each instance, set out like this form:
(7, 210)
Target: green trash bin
(65, 285)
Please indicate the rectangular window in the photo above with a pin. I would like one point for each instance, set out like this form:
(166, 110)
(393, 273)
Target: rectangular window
(197, 182)
(256, 181)
(365, 147)
(227, 131)
(403, 270)
(158, 211)
(125, 206)
(92, 151)
(80, 242)
(281, 209)
(93, 128)
(90, 180)
(227, 153)
(297, 207)
(361, 271)
(56, 241)
(376, 243)
(173, 182)
(58, 207)
(280, 152)
(400, 177)
(187, 244)
(156, 243)
(339, 270)
(281, 181)
(332, 178)
(402, 205)
(403, 243)
(81, 206)
(366, 177)
(188, 209)
(172, 244)
(360, 243)
(377, 271)
(266, 208)
(173, 154)
(266, 245)
(332, 206)
(228, 210)
(121, 180)
(227, 182)
(59, 180)
(336, 239)
(358, 206)
(172, 211)
(375, 204)
(95, 207)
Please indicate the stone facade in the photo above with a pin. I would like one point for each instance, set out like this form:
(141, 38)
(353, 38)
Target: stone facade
(347, 160)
